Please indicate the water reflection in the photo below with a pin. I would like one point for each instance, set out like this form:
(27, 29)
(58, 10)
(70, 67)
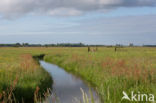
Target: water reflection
(66, 87)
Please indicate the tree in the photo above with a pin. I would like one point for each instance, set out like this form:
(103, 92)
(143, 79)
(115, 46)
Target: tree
(131, 45)
(17, 45)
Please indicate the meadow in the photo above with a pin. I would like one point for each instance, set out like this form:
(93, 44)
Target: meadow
(21, 77)
(109, 72)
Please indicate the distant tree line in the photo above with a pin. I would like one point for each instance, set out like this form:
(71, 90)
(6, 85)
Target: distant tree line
(67, 45)
(149, 45)
(52, 45)
(44, 45)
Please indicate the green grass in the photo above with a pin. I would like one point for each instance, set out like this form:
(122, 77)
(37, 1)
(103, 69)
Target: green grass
(110, 72)
(128, 69)
(20, 75)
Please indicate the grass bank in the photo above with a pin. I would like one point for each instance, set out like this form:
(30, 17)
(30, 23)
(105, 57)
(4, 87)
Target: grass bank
(128, 69)
(21, 77)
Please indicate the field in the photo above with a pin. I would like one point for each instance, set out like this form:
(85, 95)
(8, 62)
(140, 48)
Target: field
(128, 69)
(21, 76)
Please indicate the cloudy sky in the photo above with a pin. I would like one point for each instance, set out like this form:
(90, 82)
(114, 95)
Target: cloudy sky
(73, 21)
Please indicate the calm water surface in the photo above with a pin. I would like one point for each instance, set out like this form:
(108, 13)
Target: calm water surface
(66, 86)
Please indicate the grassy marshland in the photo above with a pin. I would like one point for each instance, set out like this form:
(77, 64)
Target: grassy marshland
(21, 77)
(110, 72)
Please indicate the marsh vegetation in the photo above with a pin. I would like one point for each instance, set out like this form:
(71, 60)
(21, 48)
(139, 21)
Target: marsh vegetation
(109, 72)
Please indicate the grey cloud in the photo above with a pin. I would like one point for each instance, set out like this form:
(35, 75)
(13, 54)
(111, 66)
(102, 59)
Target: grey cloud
(13, 8)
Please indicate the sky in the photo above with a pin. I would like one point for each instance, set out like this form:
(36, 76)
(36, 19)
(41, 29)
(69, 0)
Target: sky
(106, 22)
